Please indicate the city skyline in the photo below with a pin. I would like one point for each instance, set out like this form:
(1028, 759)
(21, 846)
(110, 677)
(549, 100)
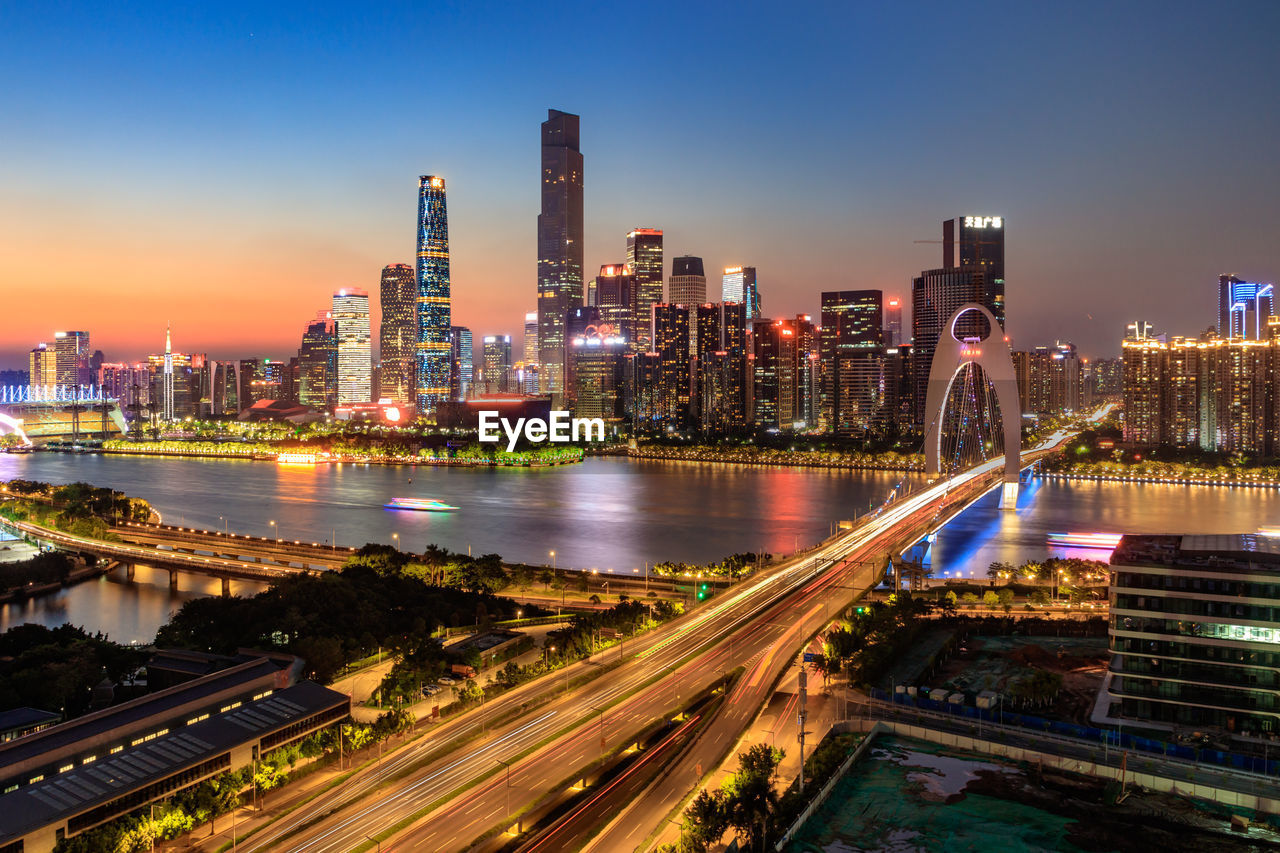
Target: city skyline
(1110, 194)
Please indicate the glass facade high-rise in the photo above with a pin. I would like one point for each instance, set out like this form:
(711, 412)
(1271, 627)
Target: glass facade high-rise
(433, 362)
(318, 364)
(463, 371)
(530, 339)
(355, 358)
(497, 363)
(852, 326)
(739, 285)
(72, 354)
(560, 243)
(671, 343)
(644, 257)
(977, 242)
(398, 332)
(614, 292)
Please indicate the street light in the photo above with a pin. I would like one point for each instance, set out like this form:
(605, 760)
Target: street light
(553, 560)
(375, 841)
(277, 530)
(396, 538)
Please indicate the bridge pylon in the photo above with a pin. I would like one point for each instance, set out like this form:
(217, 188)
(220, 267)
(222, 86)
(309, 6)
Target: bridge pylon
(993, 356)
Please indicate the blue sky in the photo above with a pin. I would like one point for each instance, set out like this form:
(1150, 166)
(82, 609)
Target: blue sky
(226, 167)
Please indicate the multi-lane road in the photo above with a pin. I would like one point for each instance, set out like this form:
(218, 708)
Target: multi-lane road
(445, 796)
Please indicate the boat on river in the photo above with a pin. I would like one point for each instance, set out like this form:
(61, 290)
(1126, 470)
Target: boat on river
(419, 504)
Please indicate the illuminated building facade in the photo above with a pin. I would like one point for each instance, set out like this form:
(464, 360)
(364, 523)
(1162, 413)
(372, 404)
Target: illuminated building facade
(600, 376)
(355, 358)
(318, 364)
(496, 373)
(560, 243)
(671, 343)
(739, 285)
(433, 361)
(1193, 633)
(852, 325)
(1050, 379)
(397, 332)
(893, 322)
(1212, 394)
(72, 354)
(615, 294)
(706, 339)
(644, 259)
(42, 366)
(463, 357)
(860, 387)
(1244, 307)
(531, 339)
(739, 382)
(977, 242)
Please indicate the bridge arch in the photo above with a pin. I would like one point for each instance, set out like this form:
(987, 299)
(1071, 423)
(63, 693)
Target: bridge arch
(992, 355)
(12, 426)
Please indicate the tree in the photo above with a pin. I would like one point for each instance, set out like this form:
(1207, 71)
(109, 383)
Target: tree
(750, 796)
(706, 819)
(969, 599)
(990, 599)
(469, 692)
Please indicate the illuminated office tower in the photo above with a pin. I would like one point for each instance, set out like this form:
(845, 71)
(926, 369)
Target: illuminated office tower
(166, 392)
(614, 292)
(737, 342)
(355, 358)
(560, 243)
(318, 364)
(704, 341)
(977, 242)
(852, 325)
(671, 343)
(397, 332)
(497, 363)
(599, 368)
(531, 339)
(463, 357)
(644, 258)
(893, 322)
(42, 364)
(433, 362)
(72, 353)
(1244, 307)
(739, 285)
(806, 371)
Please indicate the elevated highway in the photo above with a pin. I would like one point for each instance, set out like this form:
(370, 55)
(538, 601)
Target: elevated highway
(450, 795)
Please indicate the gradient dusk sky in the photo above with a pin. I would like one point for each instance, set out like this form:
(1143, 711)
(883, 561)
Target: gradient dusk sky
(226, 167)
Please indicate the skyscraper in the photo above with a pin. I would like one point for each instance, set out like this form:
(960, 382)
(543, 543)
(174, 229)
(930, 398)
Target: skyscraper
(736, 331)
(397, 332)
(531, 339)
(671, 343)
(463, 369)
(433, 356)
(688, 282)
(893, 322)
(166, 392)
(978, 242)
(644, 257)
(72, 355)
(1244, 308)
(318, 364)
(43, 364)
(355, 359)
(560, 242)
(852, 326)
(614, 291)
(739, 285)
(497, 363)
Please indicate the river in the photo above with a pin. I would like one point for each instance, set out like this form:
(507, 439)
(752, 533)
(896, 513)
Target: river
(610, 513)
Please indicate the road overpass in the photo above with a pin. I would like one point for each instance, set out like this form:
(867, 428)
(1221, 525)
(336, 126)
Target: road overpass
(451, 786)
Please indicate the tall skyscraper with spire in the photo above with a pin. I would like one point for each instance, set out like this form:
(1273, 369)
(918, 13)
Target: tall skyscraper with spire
(166, 392)
(433, 356)
(560, 242)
